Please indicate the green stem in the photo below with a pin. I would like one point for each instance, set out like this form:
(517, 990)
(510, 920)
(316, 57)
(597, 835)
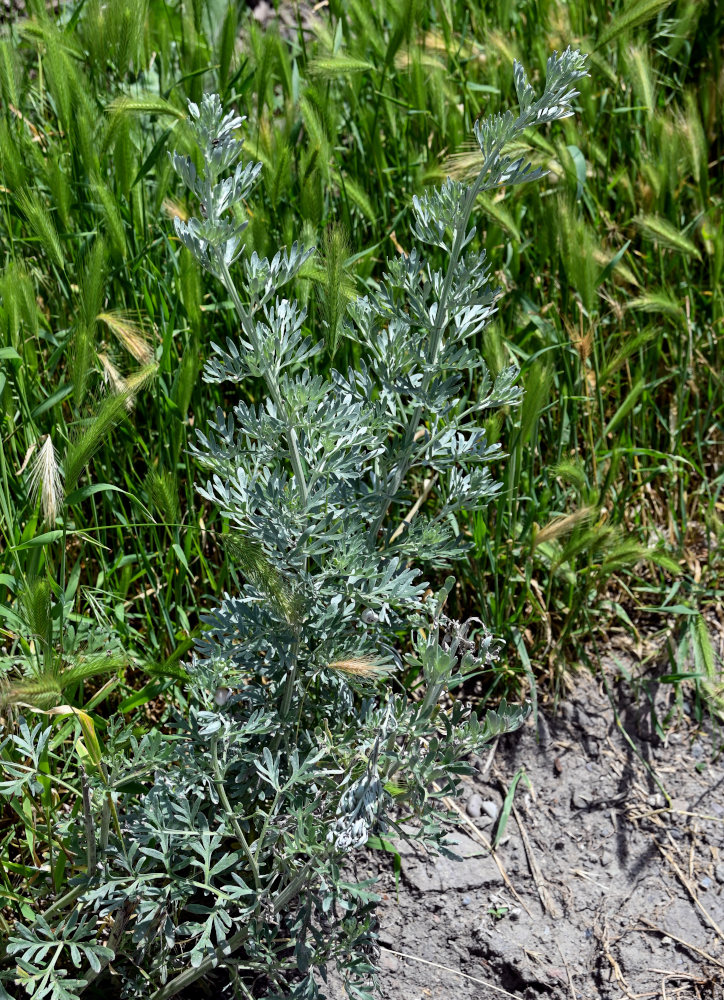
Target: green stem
(228, 948)
(69, 897)
(118, 929)
(289, 686)
(219, 782)
(190, 976)
(294, 454)
(90, 834)
(286, 704)
(435, 337)
(61, 582)
(272, 385)
(265, 826)
(292, 889)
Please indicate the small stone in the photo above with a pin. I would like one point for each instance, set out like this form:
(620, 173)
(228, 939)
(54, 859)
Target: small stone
(705, 882)
(483, 766)
(474, 806)
(666, 940)
(657, 801)
(578, 801)
(467, 900)
(606, 858)
(388, 962)
(490, 808)
(437, 875)
(583, 719)
(544, 734)
(719, 873)
(557, 975)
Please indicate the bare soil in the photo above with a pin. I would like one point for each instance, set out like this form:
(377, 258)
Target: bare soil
(11, 10)
(600, 888)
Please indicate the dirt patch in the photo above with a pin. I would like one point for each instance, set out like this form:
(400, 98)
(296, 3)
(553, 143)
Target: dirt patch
(287, 18)
(12, 10)
(600, 887)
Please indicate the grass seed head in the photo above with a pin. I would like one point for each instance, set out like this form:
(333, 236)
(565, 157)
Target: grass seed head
(174, 210)
(359, 666)
(111, 376)
(45, 478)
(129, 334)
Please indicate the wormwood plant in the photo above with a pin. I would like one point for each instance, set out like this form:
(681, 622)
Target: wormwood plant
(228, 861)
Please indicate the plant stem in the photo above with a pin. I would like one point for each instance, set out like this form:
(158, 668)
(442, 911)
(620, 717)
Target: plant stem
(441, 319)
(191, 975)
(61, 582)
(294, 455)
(289, 684)
(69, 897)
(272, 385)
(227, 949)
(219, 782)
(116, 936)
(265, 826)
(90, 835)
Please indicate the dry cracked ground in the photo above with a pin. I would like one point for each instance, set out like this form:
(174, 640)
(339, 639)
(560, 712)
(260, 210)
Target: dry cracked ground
(607, 883)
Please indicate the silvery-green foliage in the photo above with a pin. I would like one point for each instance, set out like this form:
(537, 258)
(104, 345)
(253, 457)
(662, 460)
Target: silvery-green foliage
(30, 747)
(40, 945)
(291, 753)
(212, 238)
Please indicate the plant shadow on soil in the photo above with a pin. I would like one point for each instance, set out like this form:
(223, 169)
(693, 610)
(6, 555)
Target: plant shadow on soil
(611, 891)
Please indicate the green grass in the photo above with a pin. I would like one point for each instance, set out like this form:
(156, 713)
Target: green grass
(611, 514)
(614, 267)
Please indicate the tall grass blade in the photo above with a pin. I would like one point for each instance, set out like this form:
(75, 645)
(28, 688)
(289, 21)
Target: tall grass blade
(656, 228)
(42, 226)
(162, 488)
(109, 413)
(335, 288)
(633, 15)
